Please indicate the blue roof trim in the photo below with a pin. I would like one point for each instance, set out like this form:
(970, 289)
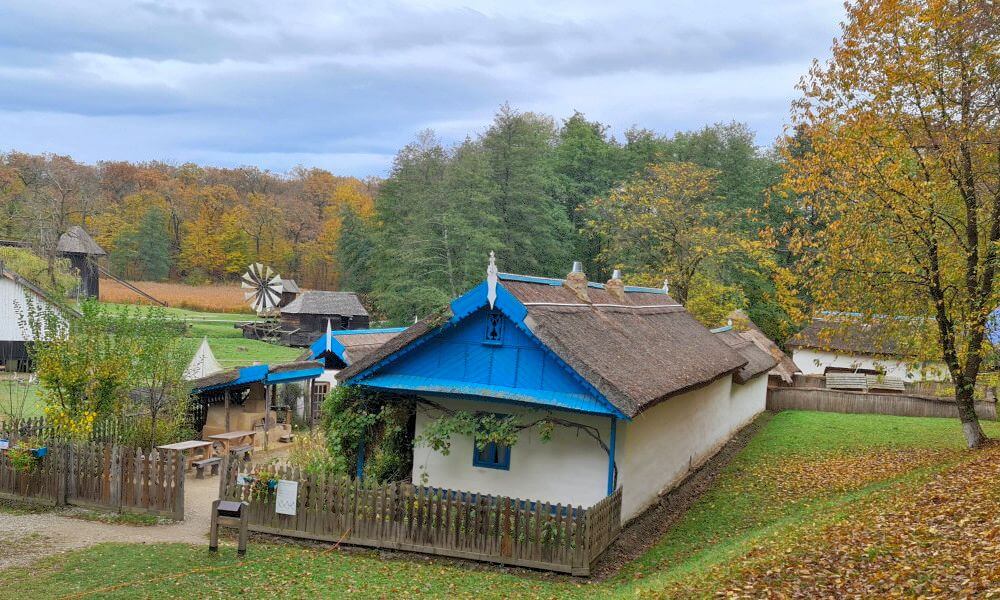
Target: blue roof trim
(251, 374)
(644, 290)
(575, 402)
(722, 329)
(529, 279)
(470, 302)
(299, 375)
(340, 332)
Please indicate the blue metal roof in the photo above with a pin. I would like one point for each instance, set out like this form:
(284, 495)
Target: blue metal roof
(262, 374)
(298, 375)
(544, 398)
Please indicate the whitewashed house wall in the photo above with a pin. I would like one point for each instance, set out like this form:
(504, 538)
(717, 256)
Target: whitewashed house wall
(816, 362)
(570, 468)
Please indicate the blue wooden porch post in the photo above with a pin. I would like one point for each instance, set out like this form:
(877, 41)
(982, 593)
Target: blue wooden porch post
(360, 472)
(611, 457)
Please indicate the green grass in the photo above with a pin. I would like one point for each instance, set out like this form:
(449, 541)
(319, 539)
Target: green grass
(227, 342)
(15, 394)
(738, 514)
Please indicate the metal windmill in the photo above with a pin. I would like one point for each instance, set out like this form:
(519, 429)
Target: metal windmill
(263, 289)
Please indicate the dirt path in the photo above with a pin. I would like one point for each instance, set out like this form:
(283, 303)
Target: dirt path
(24, 538)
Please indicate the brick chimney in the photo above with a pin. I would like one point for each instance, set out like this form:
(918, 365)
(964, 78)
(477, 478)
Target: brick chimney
(616, 287)
(577, 281)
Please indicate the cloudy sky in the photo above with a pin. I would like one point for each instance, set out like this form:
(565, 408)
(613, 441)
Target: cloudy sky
(343, 84)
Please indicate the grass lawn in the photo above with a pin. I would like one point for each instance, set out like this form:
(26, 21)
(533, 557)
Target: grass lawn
(227, 342)
(804, 478)
(15, 394)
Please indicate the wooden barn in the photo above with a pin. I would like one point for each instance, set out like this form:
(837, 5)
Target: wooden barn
(310, 311)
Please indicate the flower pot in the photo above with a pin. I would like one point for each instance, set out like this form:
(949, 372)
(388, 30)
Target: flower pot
(272, 484)
(40, 452)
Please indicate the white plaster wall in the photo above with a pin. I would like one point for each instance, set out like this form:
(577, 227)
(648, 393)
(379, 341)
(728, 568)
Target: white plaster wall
(329, 376)
(14, 299)
(815, 362)
(660, 446)
(571, 468)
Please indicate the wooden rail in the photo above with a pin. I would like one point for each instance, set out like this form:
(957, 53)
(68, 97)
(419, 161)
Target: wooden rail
(401, 516)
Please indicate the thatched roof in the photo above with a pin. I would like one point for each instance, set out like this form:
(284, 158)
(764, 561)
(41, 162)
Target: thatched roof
(315, 302)
(215, 379)
(77, 241)
(785, 367)
(289, 285)
(758, 360)
(298, 365)
(847, 336)
(636, 353)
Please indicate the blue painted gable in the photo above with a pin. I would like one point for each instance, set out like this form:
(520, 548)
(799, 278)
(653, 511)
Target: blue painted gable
(463, 354)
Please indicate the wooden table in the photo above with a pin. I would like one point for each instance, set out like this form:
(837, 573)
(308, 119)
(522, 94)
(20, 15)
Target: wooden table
(232, 439)
(189, 447)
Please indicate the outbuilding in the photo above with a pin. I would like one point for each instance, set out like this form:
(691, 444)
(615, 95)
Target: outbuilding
(16, 294)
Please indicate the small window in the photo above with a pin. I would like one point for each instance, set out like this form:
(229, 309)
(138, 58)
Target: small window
(492, 456)
(345, 322)
(494, 328)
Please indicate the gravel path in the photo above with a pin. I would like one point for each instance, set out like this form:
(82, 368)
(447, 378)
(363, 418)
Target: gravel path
(24, 538)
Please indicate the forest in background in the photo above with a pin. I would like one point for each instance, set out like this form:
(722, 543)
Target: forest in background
(693, 207)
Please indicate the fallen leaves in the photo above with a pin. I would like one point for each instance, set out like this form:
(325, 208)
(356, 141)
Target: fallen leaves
(940, 540)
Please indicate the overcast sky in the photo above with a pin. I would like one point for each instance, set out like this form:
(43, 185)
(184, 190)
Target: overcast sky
(342, 85)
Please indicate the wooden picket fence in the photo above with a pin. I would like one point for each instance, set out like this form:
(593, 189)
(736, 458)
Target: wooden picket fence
(106, 431)
(103, 477)
(401, 516)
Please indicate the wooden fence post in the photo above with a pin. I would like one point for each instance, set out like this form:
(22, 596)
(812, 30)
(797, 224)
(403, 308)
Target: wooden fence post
(116, 478)
(179, 472)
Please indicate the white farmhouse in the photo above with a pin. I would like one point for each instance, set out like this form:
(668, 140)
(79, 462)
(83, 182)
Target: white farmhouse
(839, 346)
(643, 392)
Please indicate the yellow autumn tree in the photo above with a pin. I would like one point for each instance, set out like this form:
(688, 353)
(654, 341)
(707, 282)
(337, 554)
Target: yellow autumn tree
(662, 225)
(895, 164)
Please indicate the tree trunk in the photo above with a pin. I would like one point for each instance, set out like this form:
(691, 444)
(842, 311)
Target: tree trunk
(964, 399)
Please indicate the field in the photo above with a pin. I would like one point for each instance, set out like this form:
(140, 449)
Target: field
(816, 505)
(214, 297)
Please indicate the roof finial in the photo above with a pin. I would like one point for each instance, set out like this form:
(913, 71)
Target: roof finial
(491, 280)
(666, 285)
(616, 274)
(329, 336)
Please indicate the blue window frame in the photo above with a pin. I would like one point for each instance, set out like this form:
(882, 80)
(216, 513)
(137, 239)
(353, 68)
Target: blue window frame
(492, 456)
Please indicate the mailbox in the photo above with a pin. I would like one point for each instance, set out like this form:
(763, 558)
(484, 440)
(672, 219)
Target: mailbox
(228, 508)
(230, 514)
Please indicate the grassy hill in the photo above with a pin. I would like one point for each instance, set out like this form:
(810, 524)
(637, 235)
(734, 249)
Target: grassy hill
(816, 504)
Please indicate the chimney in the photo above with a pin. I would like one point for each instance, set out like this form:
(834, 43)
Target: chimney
(577, 281)
(615, 287)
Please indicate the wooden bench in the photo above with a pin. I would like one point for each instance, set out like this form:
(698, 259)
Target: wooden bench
(244, 453)
(881, 382)
(288, 438)
(847, 381)
(200, 465)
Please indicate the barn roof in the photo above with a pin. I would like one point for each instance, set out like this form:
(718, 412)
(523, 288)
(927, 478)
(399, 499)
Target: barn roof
(314, 302)
(77, 241)
(289, 285)
(635, 352)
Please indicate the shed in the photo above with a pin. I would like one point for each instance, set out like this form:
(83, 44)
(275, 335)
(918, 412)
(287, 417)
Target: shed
(289, 291)
(311, 310)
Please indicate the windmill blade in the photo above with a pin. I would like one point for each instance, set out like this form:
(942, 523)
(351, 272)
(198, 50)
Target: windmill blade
(263, 288)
